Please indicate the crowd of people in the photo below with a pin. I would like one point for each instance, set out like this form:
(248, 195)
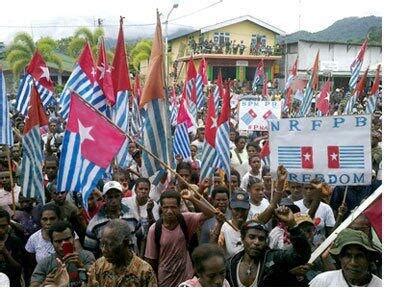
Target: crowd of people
(249, 231)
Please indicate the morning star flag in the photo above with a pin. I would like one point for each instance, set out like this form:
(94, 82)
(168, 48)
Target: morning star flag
(89, 145)
(357, 92)
(209, 157)
(336, 150)
(312, 84)
(191, 92)
(122, 86)
(322, 103)
(292, 75)
(355, 67)
(201, 81)
(218, 92)
(83, 82)
(259, 74)
(6, 135)
(181, 142)
(135, 114)
(374, 93)
(31, 179)
(38, 74)
(222, 134)
(157, 136)
(174, 101)
(104, 74)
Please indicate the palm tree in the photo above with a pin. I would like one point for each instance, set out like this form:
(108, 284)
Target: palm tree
(81, 36)
(22, 49)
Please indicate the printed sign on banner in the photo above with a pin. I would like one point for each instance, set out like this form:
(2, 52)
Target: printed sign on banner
(254, 114)
(336, 150)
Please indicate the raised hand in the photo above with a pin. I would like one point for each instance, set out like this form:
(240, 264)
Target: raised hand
(285, 215)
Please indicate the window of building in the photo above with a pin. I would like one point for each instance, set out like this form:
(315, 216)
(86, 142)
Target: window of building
(221, 37)
(258, 39)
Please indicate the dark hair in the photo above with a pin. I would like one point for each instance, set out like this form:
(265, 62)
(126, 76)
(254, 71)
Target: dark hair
(252, 224)
(5, 214)
(142, 180)
(253, 180)
(240, 137)
(237, 174)
(253, 156)
(265, 170)
(255, 145)
(170, 194)
(220, 189)
(51, 207)
(204, 252)
(60, 226)
(184, 165)
(51, 158)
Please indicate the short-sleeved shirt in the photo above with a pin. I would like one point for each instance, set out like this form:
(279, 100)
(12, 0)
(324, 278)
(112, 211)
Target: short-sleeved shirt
(49, 264)
(138, 274)
(324, 217)
(39, 246)
(335, 278)
(231, 240)
(174, 263)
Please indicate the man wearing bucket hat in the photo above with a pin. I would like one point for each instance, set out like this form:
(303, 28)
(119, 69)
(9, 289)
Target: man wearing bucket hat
(353, 253)
(113, 208)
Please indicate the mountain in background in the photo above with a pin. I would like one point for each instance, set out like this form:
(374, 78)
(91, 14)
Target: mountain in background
(352, 30)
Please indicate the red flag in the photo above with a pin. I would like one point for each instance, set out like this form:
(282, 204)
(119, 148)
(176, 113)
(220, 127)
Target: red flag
(265, 151)
(39, 70)
(36, 115)
(120, 73)
(191, 79)
(96, 133)
(86, 63)
(104, 76)
(362, 83)
(374, 214)
(375, 86)
(333, 157)
(225, 113)
(315, 70)
(219, 82)
(265, 90)
(307, 157)
(202, 70)
(322, 103)
(210, 122)
(183, 116)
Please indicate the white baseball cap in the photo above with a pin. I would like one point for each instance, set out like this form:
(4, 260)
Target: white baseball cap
(112, 185)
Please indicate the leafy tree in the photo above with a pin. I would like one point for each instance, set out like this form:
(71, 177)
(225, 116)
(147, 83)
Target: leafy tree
(22, 48)
(80, 37)
(140, 52)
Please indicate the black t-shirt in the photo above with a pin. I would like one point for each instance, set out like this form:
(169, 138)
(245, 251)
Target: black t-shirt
(15, 248)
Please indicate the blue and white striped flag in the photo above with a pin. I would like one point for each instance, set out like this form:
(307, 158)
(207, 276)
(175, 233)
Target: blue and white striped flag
(374, 94)
(310, 87)
(31, 179)
(181, 143)
(83, 82)
(157, 136)
(6, 135)
(355, 67)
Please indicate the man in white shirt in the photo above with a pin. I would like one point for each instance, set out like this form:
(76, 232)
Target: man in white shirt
(354, 252)
(321, 213)
(5, 192)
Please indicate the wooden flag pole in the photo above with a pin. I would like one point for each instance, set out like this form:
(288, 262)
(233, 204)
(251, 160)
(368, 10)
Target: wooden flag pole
(155, 157)
(11, 179)
(327, 242)
(345, 194)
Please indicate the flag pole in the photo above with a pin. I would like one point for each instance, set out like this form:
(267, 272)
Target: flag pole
(327, 242)
(11, 178)
(345, 194)
(155, 157)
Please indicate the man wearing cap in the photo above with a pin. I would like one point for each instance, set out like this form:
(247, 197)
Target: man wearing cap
(223, 233)
(112, 208)
(353, 253)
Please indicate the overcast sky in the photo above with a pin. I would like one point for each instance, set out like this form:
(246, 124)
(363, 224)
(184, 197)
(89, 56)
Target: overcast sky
(60, 18)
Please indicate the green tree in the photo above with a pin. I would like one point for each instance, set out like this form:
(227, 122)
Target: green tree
(22, 48)
(80, 37)
(140, 52)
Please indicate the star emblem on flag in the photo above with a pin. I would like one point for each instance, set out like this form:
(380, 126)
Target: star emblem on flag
(307, 156)
(84, 132)
(104, 69)
(46, 73)
(214, 122)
